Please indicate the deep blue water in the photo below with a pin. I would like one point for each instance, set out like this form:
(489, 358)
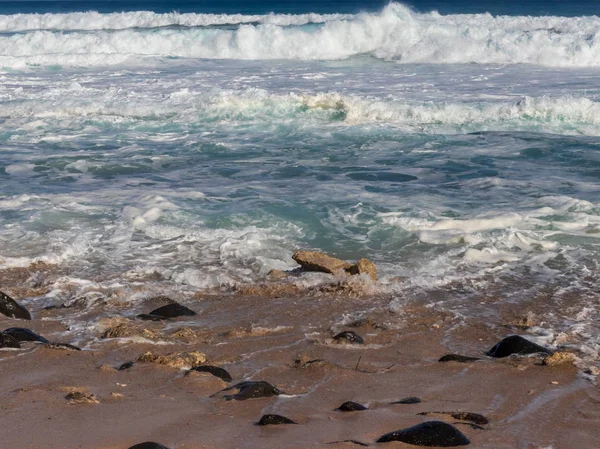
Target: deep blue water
(509, 7)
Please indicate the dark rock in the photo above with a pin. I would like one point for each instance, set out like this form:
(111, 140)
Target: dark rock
(458, 358)
(463, 416)
(251, 390)
(173, 310)
(22, 334)
(125, 366)
(149, 445)
(470, 424)
(410, 400)
(516, 344)
(349, 337)
(214, 370)
(148, 317)
(430, 433)
(359, 443)
(65, 346)
(350, 406)
(274, 419)
(7, 341)
(12, 309)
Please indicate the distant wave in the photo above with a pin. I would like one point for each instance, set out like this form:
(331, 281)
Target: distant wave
(396, 34)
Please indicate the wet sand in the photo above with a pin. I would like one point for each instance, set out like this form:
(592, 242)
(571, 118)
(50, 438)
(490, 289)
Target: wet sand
(285, 339)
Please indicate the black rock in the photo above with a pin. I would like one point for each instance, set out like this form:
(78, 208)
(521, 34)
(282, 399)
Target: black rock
(475, 418)
(12, 309)
(274, 419)
(148, 317)
(65, 346)
(125, 366)
(214, 370)
(350, 406)
(516, 344)
(349, 337)
(457, 358)
(251, 390)
(22, 334)
(149, 445)
(6, 341)
(430, 433)
(172, 310)
(410, 400)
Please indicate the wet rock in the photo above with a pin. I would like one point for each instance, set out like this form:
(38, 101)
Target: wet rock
(251, 390)
(127, 329)
(469, 424)
(349, 337)
(175, 360)
(62, 346)
(185, 334)
(359, 443)
(409, 400)
(559, 358)
(7, 341)
(214, 370)
(457, 358)
(149, 445)
(430, 433)
(277, 275)
(475, 418)
(172, 310)
(350, 406)
(125, 366)
(79, 397)
(364, 266)
(12, 309)
(316, 261)
(267, 420)
(22, 334)
(148, 317)
(516, 344)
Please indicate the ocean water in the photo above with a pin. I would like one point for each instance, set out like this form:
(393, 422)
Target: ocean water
(455, 144)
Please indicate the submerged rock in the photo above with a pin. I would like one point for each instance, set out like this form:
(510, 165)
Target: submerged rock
(409, 400)
(22, 334)
(251, 390)
(172, 310)
(214, 370)
(316, 261)
(364, 266)
(7, 341)
(12, 309)
(475, 418)
(128, 329)
(149, 445)
(125, 366)
(457, 358)
(515, 344)
(430, 433)
(78, 397)
(350, 337)
(267, 420)
(350, 406)
(175, 360)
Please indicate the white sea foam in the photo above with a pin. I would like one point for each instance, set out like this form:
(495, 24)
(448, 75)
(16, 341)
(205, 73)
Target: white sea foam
(396, 33)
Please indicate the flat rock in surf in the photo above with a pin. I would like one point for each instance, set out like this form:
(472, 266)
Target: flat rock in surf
(7, 341)
(430, 433)
(172, 310)
(251, 390)
(22, 334)
(475, 418)
(350, 406)
(214, 370)
(270, 419)
(457, 358)
(349, 337)
(316, 261)
(409, 400)
(12, 309)
(149, 445)
(515, 344)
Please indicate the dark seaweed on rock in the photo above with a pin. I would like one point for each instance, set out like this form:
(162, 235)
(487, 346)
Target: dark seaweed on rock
(125, 366)
(65, 346)
(149, 445)
(12, 309)
(457, 358)
(6, 341)
(430, 433)
(463, 416)
(350, 406)
(251, 390)
(172, 310)
(267, 420)
(214, 370)
(410, 400)
(22, 334)
(349, 337)
(516, 344)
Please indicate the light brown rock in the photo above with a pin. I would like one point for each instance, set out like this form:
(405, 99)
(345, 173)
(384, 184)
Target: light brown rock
(559, 358)
(175, 360)
(316, 261)
(129, 329)
(364, 266)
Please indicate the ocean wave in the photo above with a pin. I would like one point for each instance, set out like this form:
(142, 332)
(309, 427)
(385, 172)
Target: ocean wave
(396, 34)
